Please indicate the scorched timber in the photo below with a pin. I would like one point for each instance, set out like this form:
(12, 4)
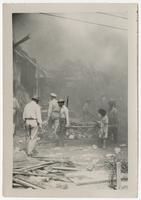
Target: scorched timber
(36, 166)
(65, 168)
(27, 183)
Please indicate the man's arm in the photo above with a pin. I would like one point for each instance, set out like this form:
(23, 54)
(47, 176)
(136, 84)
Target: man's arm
(24, 114)
(49, 110)
(39, 118)
(24, 117)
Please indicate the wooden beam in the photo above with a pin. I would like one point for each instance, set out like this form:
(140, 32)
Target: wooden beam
(24, 39)
(27, 183)
(35, 167)
(29, 174)
(118, 175)
(65, 168)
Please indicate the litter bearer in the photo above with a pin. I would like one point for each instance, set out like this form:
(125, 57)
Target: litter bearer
(32, 119)
(63, 121)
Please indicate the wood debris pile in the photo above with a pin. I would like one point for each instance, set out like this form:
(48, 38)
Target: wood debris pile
(57, 173)
(49, 173)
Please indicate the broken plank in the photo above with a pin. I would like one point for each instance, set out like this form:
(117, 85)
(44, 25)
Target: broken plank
(64, 161)
(85, 126)
(90, 182)
(65, 168)
(17, 185)
(53, 159)
(80, 127)
(118, 175)
(87, 182)
(27, 183)
(29, 174)
(35, 167)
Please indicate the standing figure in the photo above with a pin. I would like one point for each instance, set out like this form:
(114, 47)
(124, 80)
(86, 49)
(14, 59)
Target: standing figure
(103, 127)
(16, 107)
(103, 102)
(63, 121)
(53, 114)
(32, 119)
(86, 112)
(113, 121)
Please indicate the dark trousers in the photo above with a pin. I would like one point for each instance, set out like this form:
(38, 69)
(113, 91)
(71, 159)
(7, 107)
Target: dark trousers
(113, 134)
(61, 131)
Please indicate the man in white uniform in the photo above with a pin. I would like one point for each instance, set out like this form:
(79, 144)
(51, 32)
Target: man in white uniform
(32, 119)
(53, 114)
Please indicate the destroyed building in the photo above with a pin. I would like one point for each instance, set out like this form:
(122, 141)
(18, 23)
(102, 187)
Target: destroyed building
(27, 78)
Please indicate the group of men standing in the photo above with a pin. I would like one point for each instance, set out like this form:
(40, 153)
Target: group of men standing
(57, 120)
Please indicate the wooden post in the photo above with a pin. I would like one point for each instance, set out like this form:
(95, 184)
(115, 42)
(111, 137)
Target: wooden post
(37, 80)
(118, 175)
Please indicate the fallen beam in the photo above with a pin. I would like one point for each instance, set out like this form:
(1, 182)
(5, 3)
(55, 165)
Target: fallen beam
(86, 126)
(80, 127)
(90, 182)
(118, 175)
(35, 167)
(29, 174)
(65, 168)
(50, 159)
(78, 183)
(55, 160)
(17, 185)
(27, 183)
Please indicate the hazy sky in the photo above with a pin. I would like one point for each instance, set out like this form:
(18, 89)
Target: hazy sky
(55, 40)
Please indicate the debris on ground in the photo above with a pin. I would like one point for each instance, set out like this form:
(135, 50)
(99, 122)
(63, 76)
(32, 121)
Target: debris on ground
(58, 174)
(73, 165)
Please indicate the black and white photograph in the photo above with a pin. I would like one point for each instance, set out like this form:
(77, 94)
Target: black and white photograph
(70, 101)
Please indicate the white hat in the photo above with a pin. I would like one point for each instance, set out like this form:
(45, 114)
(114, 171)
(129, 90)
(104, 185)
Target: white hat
(35, 97)
(53, 95)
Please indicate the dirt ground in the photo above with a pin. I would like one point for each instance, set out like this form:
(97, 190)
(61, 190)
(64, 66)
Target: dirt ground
(83, 152)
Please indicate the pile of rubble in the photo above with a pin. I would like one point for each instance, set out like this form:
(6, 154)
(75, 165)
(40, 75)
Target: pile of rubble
(48, 173)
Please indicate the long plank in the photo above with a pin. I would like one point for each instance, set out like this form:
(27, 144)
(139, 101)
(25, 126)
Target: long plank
(29, 174)
(65, 168)
(92, 181)
(35, 166)
(17, 185)
(27, 183)
(86, 126)
(80, 127)
(118, 175)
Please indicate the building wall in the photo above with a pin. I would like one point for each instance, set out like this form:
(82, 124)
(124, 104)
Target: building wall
(24, 74)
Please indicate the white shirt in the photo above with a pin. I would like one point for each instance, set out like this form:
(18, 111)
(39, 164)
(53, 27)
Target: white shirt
(32, 110)
(104, 126)
(64, 114)
(53, 107)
